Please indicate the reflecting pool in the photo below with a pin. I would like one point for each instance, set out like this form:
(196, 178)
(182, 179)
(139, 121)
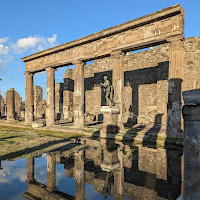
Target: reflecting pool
(94, 170)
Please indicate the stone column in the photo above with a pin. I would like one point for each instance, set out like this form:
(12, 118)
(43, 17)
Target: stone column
(191, 115)
(10, 102)
(50, 97)
(29, 98)
(30, 170)
(79, 174)
(175, 78)
(79, 119)
(59, 97)
(38, 102)
(51, 172)
(118, 83)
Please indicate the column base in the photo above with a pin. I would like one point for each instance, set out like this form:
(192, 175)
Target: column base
(50, 123)
(10, 119)
(79, 123)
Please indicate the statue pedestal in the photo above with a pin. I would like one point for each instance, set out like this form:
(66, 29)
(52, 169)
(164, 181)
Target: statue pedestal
(110, 118)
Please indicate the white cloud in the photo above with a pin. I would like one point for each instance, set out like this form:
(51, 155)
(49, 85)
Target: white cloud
(18, 69)
(5, 39)
(4, 49)
(34, 43)
(52, 41)
(2, 64)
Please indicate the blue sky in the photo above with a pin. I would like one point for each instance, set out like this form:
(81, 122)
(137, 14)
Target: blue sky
(34, 25)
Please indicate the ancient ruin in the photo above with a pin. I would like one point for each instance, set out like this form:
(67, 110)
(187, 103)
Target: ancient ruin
(157, 73)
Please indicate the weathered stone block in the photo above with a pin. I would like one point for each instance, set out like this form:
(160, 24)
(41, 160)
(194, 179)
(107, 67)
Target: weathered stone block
(191, 97)
(37, 124)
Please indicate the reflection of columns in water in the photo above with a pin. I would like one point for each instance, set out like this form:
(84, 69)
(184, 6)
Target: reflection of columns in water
(79, 174)
(51, 172)
(30, 170)
(119, 178)
(0, 166)
(112, 162)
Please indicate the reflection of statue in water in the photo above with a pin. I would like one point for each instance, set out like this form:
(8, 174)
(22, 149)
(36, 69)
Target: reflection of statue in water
(108, 90)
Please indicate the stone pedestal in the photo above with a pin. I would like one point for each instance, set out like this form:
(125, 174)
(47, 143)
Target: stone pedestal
(110, 119)
(191, 115)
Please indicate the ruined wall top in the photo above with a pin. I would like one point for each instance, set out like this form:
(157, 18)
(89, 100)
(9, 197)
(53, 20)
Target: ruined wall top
(136, 34)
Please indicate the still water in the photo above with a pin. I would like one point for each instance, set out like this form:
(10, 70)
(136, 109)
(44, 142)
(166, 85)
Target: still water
(94, 170)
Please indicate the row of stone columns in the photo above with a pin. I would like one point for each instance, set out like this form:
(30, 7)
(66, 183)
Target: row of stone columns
(176, 69)
(50, 97)
(118, 83)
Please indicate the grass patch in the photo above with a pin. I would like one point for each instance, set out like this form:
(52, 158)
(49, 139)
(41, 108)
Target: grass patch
(57, 134)
(5, 142)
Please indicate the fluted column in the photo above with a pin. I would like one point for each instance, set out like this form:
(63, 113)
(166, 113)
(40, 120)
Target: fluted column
(51, 172)
(79, 174)
(176, 75)
(79, 119)
(30, 170)
(29, 98)
(118, 83)
(50, 97)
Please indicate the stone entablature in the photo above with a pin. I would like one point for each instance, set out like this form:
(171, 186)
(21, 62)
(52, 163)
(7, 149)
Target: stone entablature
(136, 34)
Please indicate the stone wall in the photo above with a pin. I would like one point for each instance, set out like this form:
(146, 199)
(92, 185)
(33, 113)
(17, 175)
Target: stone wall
(146, 81)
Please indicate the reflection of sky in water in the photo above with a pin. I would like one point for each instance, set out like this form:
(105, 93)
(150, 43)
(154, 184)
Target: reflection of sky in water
(13, 177)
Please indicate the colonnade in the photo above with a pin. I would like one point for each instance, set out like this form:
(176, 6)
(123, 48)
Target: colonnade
(175, 78)
(79, 121)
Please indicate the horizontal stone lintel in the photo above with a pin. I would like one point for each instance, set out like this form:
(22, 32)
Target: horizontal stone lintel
(140, 33)
(131, 47)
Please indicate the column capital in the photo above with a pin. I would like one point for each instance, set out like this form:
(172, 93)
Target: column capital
(175, 38)
(50, 69)
(117, 53)
(29, 73)
(78, 62)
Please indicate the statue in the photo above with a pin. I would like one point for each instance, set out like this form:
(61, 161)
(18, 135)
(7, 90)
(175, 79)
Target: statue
(108, 90)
